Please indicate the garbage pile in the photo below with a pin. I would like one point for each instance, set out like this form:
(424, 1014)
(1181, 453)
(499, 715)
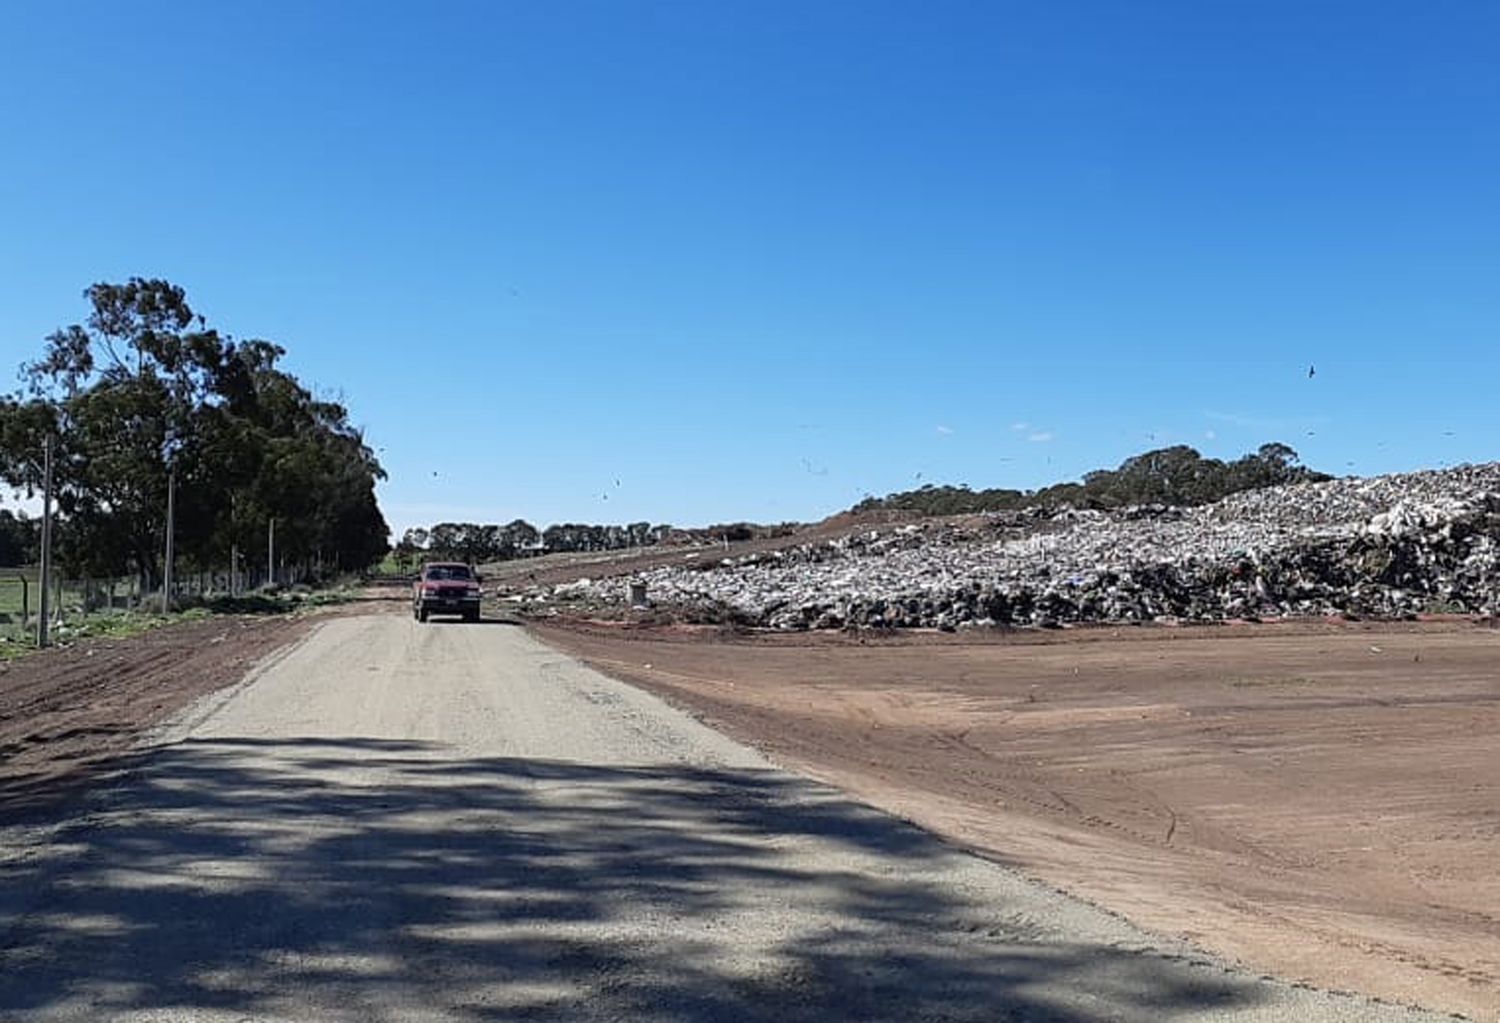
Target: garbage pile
(1387, 547)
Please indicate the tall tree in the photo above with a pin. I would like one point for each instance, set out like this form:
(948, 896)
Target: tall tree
(145, 388)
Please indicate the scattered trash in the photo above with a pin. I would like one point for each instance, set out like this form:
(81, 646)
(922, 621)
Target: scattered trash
(1383, 547)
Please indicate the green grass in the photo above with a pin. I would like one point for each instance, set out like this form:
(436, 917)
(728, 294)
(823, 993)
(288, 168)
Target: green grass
(1256, 683)
(105, 625)
(389, 566)
(11, 591)
(117, 624)
(277, 603)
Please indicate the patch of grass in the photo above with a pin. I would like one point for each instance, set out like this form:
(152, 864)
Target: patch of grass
(277, 602)
(106, 625)
(12, 590)
(116, 626)
(121, 624)
(1257, 683)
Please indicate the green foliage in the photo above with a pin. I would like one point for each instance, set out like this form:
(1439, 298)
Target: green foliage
(1176, 475)
(19, 537)
(572, 536)
(120, 625)
(933, 499)
(145, 388)
(276, 603)
(476, 544)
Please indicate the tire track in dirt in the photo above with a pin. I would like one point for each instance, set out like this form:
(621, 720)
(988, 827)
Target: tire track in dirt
(1288, 797)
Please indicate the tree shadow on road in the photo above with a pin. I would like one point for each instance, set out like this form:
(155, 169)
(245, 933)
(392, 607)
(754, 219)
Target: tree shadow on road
(372, 879)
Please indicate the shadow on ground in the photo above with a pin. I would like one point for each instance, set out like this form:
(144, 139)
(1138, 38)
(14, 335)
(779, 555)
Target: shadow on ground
(368, 879)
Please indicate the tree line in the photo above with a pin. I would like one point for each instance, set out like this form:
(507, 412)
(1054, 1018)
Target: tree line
(145, 392)
(1176, 475)
(474, 543)
(477, 544)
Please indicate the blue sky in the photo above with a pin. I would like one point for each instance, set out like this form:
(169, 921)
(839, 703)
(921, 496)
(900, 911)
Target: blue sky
(755, 260)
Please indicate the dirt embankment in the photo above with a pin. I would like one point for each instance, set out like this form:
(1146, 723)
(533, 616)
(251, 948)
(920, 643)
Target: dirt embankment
(1321, 802)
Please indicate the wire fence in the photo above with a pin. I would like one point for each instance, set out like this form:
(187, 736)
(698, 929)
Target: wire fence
(76, 601)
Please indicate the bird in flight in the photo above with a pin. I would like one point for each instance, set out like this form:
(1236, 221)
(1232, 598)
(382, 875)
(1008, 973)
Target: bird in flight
(1312, 371)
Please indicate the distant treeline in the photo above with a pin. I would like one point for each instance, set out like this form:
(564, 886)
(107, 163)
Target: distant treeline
(1176, 475)
(476, 544)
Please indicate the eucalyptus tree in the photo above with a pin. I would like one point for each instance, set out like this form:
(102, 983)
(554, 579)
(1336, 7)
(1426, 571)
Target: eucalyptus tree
(144, 387)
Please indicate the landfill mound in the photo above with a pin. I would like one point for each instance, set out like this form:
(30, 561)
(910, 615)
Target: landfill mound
(1382, 547)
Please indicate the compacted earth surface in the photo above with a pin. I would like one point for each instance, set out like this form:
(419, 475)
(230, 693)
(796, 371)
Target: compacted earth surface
(65, 713)
(394, 821)
(397, 821)
(1319, 801)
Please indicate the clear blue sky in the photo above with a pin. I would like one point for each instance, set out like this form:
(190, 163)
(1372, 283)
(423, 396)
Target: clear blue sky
(754, 260)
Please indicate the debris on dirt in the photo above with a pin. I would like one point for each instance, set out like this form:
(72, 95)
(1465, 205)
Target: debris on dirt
(1388, 547)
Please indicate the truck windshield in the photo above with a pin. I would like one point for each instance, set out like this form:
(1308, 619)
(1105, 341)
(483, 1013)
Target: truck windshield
(448, 572)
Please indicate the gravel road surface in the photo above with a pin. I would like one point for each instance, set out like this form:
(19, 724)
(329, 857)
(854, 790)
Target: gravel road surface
(405, 822)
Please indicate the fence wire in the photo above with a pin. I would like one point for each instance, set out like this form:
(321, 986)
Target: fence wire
(74, 601)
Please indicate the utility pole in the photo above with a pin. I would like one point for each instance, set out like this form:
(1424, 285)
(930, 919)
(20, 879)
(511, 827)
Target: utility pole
(166, 582)
(271, 553)
(46, 566)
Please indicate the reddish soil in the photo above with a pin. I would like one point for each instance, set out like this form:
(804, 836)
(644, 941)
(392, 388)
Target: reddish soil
(1320, 801)
(70, 712)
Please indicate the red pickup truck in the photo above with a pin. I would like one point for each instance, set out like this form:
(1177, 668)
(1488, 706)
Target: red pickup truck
(446, 588)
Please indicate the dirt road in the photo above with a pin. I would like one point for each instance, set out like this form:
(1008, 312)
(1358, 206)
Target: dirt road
(403, 822)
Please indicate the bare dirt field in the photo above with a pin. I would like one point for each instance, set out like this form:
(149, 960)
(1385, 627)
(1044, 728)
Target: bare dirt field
(1320, 802)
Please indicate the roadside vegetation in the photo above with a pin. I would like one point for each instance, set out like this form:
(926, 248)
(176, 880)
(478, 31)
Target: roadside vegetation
(77, 622)
(118, 625)
(146, 405)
